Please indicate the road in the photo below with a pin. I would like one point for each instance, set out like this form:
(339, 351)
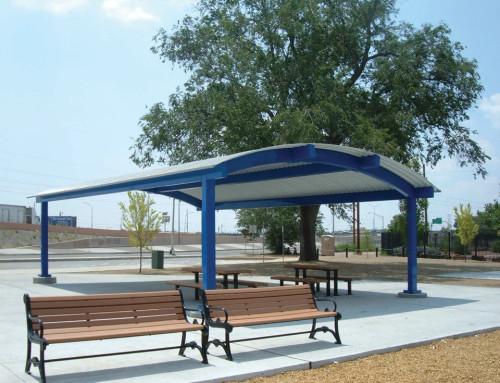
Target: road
(104, 260)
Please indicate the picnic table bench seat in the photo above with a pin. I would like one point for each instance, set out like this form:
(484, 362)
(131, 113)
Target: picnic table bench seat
(348, 280)
(76, 318)
(244, 282)
(228, 309)
(315, 279)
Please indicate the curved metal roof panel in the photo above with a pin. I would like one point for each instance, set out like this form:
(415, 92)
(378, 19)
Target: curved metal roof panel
(281, 175)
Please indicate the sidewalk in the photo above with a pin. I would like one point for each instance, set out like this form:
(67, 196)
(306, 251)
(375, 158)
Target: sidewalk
(374, 320)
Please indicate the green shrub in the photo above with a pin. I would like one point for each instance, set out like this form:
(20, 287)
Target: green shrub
(495, 246)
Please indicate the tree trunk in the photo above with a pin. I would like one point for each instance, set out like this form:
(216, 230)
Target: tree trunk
(140, 260)
(308, 215)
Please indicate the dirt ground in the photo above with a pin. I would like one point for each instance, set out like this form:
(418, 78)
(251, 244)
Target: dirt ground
(471, 359)
(371, 267)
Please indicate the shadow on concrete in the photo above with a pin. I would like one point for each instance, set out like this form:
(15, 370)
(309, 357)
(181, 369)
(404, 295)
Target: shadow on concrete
(136, 371)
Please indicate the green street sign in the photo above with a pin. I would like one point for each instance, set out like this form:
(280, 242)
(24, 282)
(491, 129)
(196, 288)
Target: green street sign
(437, 221)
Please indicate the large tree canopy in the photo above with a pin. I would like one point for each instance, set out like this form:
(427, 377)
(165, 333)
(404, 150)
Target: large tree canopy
(268, 72)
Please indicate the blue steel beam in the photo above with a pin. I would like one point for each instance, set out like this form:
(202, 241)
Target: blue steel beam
(411, 224)
(208, 234)
(183, 197)
(265, 157)
(175, 179)
(44, 241)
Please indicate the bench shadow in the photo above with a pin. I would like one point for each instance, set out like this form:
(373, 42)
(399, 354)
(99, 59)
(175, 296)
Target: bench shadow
(258, 353)
(145, 371)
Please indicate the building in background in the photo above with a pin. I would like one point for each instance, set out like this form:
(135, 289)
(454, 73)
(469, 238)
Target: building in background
(17, 214)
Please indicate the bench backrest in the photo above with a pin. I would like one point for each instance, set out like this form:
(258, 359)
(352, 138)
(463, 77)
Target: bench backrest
(104, 309)
(239, 302)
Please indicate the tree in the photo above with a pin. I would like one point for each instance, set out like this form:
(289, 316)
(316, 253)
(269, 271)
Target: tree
(281, 225)
(399, 222)
(467, 229)
(140, 220)
(270, 72)
(489, 219)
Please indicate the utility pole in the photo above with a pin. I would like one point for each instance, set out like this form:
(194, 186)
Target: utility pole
(179, 224)
(359, 237)
(354, 223)
(172, 238)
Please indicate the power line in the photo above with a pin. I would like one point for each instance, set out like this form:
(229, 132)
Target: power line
(39, 174)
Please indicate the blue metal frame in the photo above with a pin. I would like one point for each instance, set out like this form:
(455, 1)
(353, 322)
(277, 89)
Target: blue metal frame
(44, 241)
(411, 224)
(208, 233)
(307, 159)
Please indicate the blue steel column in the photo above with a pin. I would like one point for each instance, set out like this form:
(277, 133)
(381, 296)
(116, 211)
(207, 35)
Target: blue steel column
(411, 224)
(44, 237)
(208, 233)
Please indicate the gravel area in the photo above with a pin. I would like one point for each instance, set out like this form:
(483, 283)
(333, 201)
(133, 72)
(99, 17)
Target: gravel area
(471, 359)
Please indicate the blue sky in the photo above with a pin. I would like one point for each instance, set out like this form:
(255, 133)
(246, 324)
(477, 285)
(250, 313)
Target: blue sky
(77, 75)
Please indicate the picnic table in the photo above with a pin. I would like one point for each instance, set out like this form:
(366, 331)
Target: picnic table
(326, 267)
(197, 270)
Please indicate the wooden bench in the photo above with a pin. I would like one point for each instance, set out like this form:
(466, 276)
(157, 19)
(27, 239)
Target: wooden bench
(63, 319)
(228, 309)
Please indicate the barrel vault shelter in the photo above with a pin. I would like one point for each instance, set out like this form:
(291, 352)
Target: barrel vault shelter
(285, 175)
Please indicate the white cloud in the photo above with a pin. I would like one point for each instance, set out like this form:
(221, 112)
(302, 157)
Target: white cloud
(126, 11)
(491, 109)
(52, 6)
(180, 4)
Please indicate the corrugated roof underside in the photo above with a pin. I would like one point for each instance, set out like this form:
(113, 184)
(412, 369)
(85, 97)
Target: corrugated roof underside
(314, 185)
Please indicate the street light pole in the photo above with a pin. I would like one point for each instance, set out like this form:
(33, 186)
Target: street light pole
(172, 237)
(91, 215)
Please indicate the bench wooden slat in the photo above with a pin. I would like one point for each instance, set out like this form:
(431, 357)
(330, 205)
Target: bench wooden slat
(268, 304)
(107, 322)
(221, 295)
(285, 317)
(117, 333)
(90, 297)
(252, 292)
(230, 297)
(104, 309)
(103, 302)
(106, 315)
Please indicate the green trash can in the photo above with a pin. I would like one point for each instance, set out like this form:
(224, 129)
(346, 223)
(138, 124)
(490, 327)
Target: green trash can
(157, 259)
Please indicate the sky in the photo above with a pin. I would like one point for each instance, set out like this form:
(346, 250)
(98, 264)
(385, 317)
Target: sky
(77, 75)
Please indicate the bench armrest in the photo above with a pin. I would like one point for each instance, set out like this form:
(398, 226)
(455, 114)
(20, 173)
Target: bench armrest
(195, 321)
(327, 300)
(218, 322)
(31, 332)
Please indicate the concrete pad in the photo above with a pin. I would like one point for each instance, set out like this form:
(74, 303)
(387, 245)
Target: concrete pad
(374, 320)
